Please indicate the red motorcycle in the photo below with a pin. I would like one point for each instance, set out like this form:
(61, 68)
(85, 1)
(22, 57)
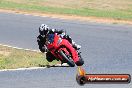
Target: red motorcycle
(63, 50)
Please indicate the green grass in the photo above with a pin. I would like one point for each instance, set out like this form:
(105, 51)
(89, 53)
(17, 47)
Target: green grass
(79, 8)
(14, 58)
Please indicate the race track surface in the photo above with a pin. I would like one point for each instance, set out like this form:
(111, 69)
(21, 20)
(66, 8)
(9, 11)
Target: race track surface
(106, 48)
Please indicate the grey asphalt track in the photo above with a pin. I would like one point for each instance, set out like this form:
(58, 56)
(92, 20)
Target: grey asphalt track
(106, 48)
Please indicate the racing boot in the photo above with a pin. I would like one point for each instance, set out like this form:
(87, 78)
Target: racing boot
(76, 46)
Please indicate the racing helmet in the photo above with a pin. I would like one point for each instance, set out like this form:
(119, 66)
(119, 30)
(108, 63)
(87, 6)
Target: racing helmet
(43, 29)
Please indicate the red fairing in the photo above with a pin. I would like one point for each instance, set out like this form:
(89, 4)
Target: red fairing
(57, 44)
(72, 50)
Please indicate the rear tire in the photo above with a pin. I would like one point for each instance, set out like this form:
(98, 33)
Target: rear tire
(50, 57)
(68, 60)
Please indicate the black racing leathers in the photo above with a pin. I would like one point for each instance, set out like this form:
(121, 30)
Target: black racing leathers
(41, 39)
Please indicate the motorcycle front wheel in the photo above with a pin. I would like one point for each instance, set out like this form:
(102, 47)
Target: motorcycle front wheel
(67, 59)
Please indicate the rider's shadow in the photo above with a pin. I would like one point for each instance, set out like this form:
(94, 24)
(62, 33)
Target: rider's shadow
(58, 65)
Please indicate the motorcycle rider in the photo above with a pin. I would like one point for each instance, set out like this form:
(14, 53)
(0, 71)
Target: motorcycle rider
(44, 30)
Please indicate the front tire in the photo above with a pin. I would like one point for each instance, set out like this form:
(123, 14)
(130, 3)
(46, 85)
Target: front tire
(80, 62)
(68, 60)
